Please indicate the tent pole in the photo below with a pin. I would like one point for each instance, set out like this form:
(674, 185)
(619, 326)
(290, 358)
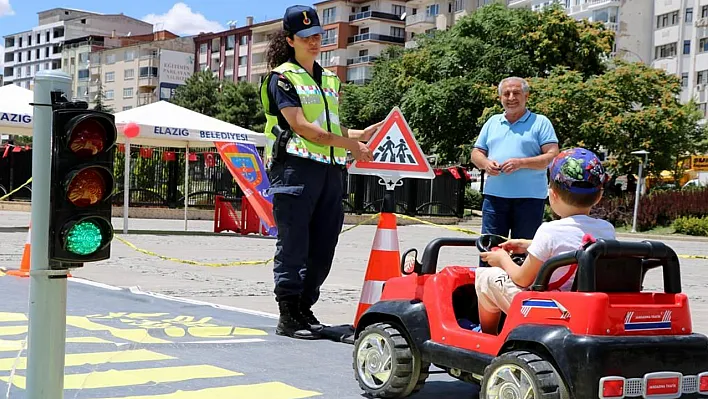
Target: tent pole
(186, 183)
(126, 186)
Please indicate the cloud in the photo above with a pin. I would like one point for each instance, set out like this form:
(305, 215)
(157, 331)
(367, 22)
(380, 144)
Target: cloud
(180, 19)
(5, 8)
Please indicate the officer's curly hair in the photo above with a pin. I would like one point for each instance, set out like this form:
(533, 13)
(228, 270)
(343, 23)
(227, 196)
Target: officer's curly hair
(279, 51)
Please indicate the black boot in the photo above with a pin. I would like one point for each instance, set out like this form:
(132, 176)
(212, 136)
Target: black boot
(291, 322)
(306, 311)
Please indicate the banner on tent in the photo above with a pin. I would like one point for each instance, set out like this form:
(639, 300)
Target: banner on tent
(181, 133)
(247, 168)
(7, 118)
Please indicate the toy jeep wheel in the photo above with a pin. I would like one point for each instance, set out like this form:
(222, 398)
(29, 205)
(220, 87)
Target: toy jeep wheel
(384, 364)
(522, 375)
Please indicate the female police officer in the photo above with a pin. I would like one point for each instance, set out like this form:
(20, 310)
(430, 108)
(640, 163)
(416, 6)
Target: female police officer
(306, 154)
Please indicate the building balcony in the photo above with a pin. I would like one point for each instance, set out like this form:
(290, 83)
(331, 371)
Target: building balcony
(147, 81)
(359, 39)
(591, 5)
(520, 3)
(149, 61)
(146, 98)
(612, 26)
(420, 19)
(362, 60)
(261, 67)
(259, 47)
(358, 18)
(328, 41)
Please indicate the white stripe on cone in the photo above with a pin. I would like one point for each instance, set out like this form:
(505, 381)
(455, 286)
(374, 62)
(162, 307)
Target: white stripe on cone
(371, 292)
(385, 240)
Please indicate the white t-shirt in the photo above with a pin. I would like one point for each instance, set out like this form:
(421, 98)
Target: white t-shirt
(564, 235)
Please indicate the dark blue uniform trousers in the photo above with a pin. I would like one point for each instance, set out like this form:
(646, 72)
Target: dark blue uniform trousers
(307, 207)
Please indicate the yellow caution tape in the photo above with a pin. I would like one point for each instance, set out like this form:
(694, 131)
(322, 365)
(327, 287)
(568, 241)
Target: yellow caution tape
(15, 190)
(461, 230)
(236, 263)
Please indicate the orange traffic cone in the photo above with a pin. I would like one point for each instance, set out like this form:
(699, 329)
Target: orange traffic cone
(25, 265)
(383, 263)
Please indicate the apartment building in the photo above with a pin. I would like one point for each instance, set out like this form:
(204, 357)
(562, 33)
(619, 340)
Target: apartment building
(237, 54)
(40, 48)
(631, 20)
(138, 72)
(680, 45)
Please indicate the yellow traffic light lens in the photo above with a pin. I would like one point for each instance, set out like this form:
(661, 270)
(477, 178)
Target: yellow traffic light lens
(87, 188)
(88, 138)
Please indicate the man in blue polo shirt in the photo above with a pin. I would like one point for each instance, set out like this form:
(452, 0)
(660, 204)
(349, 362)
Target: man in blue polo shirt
(514, 149)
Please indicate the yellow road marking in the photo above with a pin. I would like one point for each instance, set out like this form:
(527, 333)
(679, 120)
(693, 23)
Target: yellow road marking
(94, 358)
(7, 316)
(139, 335)
(10, 346)
(215, 332)
(270, 390)
(13, 330)
(87, 340)
(133, 378)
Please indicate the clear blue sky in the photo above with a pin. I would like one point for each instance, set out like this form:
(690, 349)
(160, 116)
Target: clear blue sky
(181, 17)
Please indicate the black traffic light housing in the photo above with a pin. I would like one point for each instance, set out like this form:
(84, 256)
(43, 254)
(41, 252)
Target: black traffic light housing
(82, 183)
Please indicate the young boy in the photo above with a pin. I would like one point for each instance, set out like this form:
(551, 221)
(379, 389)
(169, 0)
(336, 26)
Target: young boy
(576, 184)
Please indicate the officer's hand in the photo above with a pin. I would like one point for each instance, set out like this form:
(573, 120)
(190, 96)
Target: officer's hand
(362, 153)
(369, 131)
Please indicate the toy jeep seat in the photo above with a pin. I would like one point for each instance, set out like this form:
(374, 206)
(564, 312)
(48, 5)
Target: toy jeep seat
(614, 267)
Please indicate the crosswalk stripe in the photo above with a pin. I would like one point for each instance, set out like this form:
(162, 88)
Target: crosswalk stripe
(15, 345)
(7, 316)
(270, 390)
(94, 358)
(139, 335)
(13, 330)
(134, 378)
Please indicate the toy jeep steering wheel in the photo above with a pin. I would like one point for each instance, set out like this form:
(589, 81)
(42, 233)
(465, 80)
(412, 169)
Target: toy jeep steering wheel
(487, 243)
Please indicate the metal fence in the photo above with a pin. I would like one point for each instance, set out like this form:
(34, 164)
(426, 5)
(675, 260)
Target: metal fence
(15, 170)
(157, 180)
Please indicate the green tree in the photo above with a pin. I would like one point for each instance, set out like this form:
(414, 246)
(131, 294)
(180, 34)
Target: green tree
(445, 84)
(200, 93)
(98, 102)
(240, 104)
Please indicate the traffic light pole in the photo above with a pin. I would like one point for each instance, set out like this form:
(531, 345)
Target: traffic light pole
(47, 303)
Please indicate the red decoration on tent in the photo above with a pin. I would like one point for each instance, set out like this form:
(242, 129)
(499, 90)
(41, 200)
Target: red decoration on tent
(7, 149)
(16, 149)
(131, 130)
(192, 157)
(438, 172)
(146, 152)
(121, 147)
(169, 156)
(209, 160)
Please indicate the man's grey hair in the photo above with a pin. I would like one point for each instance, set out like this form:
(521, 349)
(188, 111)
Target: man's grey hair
(524, 84)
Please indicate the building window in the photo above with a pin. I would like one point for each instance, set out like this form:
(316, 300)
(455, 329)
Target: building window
(684, 79)
(230, 42)
(146, 72)
(242, 61)
(398, 32)
(687, 47)
(127, 107)
(666, 20)
(128, 74)
(203, 48)
(704, 11)
(329, 15)
(703, 45)
(667, 50)
(110, 77)
(83, 74)
(108, 95)
(432, 10)
(129, 55)
(326, 58)
(329, 37)
(243, 40)
(701, 77)
(128, 92)
(111, 59)
(689, 15)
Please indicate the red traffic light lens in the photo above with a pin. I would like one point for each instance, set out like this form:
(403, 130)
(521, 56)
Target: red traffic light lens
(88, 138)
(87, 188)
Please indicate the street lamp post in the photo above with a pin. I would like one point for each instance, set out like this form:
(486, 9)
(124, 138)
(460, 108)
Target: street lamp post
(639, 187)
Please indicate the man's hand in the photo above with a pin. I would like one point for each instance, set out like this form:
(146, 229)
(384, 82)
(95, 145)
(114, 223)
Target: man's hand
(492, 167)
(512, 165)
(361, 152)
(495, 258)
(369, 131)
(517, 246)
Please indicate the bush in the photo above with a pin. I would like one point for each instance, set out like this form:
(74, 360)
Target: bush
(691, 226)
(659, 208)
(473, 199)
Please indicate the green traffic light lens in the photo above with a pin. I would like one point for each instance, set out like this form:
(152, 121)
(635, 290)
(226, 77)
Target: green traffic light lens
(84, 238)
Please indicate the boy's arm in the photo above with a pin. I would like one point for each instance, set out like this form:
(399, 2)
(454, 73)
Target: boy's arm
(525, 274)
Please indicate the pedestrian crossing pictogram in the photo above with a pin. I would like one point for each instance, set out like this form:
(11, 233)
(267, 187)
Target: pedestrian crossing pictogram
(396, 153)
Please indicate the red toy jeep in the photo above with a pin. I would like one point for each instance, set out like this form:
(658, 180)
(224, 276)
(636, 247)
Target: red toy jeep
(607, 338)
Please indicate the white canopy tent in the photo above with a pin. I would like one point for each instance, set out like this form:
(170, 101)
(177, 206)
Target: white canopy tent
(166, 124)
(15, 110)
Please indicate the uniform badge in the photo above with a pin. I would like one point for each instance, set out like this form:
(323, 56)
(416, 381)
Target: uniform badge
(285, 85)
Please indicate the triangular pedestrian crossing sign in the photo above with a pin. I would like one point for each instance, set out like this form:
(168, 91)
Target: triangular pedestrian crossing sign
(396, 152)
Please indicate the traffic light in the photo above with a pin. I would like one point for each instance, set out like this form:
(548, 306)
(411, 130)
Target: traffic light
(82, 182)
